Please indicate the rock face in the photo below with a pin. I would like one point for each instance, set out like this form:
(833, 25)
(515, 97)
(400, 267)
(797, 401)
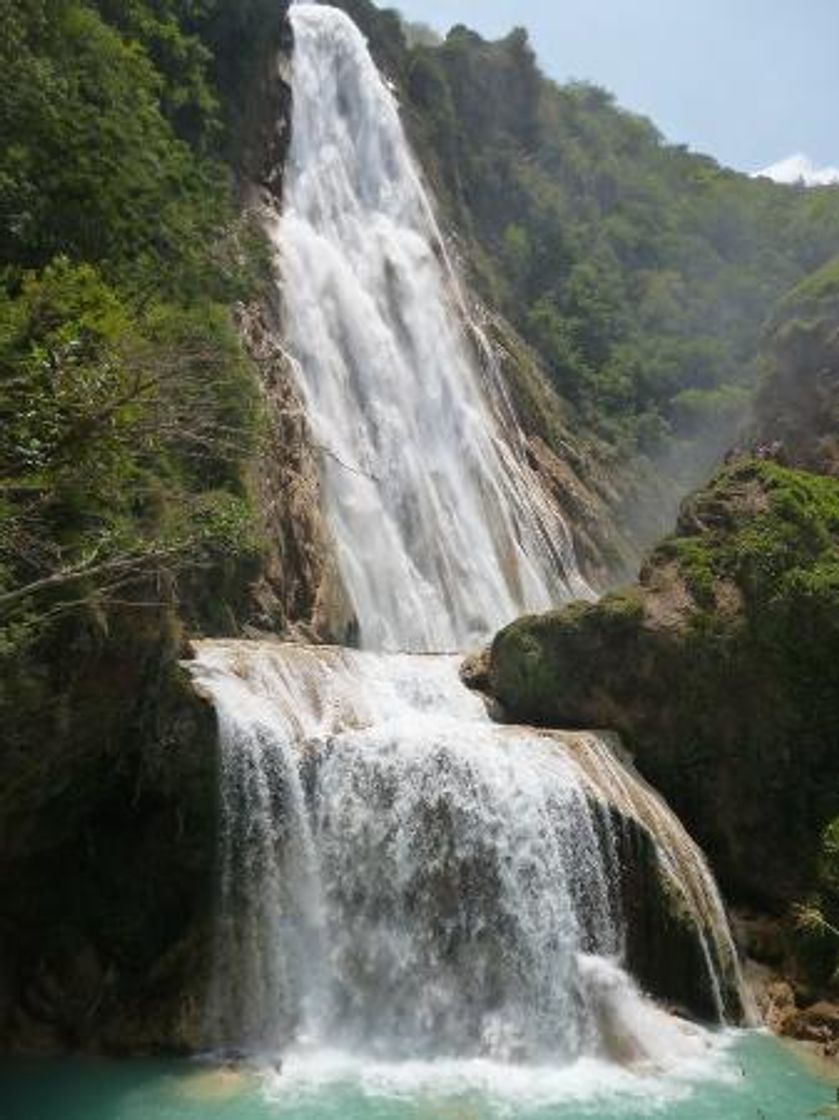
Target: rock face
(677, 943)
(299, 591)
(107, 843)
(263, 117)
(716, 668)
(574, 473)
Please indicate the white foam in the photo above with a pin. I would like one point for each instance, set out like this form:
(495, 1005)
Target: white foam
(442, 530)
(310, 1073)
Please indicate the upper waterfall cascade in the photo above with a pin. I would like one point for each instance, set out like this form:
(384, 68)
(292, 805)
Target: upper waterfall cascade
(443, 532)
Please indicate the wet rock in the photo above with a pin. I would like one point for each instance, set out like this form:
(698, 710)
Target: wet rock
(818, 1024)
(108, 847)
(300, 592)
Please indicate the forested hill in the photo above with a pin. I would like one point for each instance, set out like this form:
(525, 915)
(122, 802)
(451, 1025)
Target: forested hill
(640, 271)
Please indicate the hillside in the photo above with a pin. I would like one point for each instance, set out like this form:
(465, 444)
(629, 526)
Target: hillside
(641, 272)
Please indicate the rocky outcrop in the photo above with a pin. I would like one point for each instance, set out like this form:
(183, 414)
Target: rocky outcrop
(299, 591)
(261, 115)
(677, 943)
(785, 1012)
(107, 841)
(574, 472)
(717, 669)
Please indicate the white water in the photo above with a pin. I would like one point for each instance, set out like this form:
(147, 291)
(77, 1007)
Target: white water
(443, 533)
(404, 877)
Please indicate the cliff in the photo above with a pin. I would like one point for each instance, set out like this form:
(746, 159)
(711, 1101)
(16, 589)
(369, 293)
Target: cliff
(717, 666)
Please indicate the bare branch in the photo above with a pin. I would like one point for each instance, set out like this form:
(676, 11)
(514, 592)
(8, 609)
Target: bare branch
(119, 565)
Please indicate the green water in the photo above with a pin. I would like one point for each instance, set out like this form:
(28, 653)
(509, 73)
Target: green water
(750, 1077)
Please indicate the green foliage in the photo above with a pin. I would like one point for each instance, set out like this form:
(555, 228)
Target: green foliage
(128, 412)
(696, 565)
(90, 167)
(111, 121)
(816, 920)
(123, 435)
(798, 397)
(771, 530)
(823, 284)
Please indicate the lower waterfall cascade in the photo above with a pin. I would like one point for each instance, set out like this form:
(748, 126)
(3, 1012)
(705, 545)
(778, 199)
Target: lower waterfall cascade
(401, 876)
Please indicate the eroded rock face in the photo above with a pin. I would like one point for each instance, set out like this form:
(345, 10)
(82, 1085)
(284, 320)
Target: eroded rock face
(264, 119)
(574, 474)
(108, 842)
(664, 948)
(299, 591)
(716, 668)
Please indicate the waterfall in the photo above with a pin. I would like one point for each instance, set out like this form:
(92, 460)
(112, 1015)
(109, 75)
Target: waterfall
(442, 531)
(405, 876)
(399, 875)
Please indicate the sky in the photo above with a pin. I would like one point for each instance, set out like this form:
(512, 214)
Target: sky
(754, 83)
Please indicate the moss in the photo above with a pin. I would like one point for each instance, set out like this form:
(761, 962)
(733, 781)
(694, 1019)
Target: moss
(622, 608)
(756, 523)
(696, 564)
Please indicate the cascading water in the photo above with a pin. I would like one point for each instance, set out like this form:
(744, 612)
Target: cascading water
(401, 876)
(405, 876)
(441, 529)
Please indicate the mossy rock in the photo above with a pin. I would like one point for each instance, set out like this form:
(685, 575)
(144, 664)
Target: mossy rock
(718, 668)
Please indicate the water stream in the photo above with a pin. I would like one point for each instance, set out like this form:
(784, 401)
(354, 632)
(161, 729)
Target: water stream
(400, 877)
(421, 912)
(442, 531)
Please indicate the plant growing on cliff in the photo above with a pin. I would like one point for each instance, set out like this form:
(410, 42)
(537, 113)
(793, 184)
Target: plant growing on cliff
(129, 412)
(129, 423)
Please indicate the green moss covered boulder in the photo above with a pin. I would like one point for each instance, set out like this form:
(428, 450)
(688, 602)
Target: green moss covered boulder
(720, 669)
